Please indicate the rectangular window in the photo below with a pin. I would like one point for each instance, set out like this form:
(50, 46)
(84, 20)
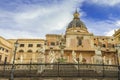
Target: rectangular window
(38, 45)
(2, 49)
(6, 50)
(52, 43)
(30, 45)
(5, 60)
(21, 45)
(0, 57)
(79, 42)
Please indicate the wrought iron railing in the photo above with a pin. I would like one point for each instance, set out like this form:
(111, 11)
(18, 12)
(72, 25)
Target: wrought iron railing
(60, 70)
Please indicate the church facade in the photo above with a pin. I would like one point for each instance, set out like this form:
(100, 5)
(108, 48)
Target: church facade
(76, 45)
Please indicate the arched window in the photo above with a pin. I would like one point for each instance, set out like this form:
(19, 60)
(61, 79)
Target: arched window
(37, 51)
(30, 51)
(103, 45)
(113, 46)
(21, 51)
(95, 44)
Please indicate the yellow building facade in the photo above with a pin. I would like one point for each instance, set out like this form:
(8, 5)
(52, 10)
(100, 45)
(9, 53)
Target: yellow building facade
(117, 36)
(27, 50)
(5, 50)
(117, 41)
(77, 44)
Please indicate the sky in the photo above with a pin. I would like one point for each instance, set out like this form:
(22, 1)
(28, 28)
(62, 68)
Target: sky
(36, 18)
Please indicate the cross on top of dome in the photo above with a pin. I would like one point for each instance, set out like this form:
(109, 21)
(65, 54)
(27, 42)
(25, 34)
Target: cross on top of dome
(76, 14)
(76, 22)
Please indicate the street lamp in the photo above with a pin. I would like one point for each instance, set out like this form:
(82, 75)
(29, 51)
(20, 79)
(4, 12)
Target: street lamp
(13, 64)
(117, 54)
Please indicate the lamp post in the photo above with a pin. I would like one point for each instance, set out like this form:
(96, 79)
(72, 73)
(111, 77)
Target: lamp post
(30, 66)
(13, 63)
(117, 54)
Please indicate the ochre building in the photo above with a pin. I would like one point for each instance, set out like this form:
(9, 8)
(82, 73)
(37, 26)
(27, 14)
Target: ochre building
(5, 50)
(117, 41)
(77, 44)
(117, 36)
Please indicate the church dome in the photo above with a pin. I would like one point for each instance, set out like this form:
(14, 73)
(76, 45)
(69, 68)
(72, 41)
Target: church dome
(76, 22)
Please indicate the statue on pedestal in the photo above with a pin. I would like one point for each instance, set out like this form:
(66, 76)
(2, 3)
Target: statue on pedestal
(41, 58)
(97, 58)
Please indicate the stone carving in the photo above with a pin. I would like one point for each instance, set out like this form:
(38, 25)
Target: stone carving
(80, 56)
(97, 59)
(74, 56)
(51, 56)
(42, 49)
(41, 58)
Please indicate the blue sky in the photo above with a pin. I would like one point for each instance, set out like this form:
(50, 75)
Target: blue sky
(36, 18)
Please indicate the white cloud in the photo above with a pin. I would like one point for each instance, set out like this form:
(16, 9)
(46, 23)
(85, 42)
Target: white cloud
(101, 28)
(118, 23)
(110, 33)
(36, 20)
(8, 33)
(106, 2)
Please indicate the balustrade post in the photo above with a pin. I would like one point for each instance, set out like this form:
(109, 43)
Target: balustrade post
(58, 69)
(4, 66)
(118, 72)
(30, 66)
(103, 70)
(78, 65)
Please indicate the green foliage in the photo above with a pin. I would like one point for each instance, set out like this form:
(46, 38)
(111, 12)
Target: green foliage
(61, 60)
